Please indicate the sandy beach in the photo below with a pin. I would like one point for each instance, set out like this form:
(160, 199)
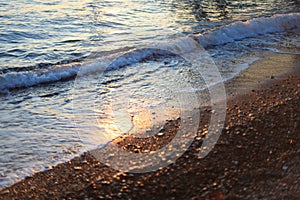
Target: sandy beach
(256, 157)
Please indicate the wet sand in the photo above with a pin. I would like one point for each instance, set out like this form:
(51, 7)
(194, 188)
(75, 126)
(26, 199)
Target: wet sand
(256, 157)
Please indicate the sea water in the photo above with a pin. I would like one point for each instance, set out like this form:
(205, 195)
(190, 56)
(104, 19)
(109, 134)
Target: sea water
(74, 75)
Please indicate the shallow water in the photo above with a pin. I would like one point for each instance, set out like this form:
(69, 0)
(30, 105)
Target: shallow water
(44, 124)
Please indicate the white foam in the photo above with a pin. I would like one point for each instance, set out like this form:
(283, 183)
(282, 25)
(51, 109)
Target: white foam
(251, 28)
(30, 78)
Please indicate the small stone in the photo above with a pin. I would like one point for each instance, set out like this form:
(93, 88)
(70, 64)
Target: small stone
(77, 167)
(140, 184)
(105, 183)
(111, 155)
(84, 162)
(198, 138)
(235, 162)
(162, 129)
(285, 167)
(160, 134)
(4, 191)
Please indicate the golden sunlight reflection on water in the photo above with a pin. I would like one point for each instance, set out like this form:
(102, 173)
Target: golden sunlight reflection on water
(140, 120)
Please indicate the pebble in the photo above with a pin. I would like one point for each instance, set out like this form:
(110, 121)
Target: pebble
(4, 191)
(285, 167)
(77, 167)
(105, 183)
(235, 162)
(160, 134)
(198, 138)
(162, 129)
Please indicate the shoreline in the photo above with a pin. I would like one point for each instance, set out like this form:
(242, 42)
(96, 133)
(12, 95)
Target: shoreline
(255, 157)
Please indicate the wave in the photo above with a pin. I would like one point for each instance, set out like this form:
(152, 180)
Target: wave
(250, 28)
(226, 34)
(12, 80)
